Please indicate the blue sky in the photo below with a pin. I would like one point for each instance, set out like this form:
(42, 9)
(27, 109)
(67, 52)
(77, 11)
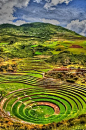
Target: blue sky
(67, 13)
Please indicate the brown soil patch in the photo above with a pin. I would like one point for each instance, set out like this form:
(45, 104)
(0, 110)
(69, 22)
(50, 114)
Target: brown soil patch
(76, 46)
(55, 107)
(2, 103)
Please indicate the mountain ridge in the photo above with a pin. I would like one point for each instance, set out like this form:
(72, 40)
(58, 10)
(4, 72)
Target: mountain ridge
(37, 25)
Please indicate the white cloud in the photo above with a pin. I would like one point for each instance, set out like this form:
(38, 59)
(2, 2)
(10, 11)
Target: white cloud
(78, 26)
(55, 22)
(19, 22)
(37, 1)
(55, 2)
(31, 19)
(7, 8)
(51, 3)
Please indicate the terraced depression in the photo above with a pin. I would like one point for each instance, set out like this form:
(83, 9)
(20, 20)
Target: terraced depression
(40, 105)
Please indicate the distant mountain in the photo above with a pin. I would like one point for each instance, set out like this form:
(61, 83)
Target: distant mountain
(32, 39)
(37, 31)
(7, 26)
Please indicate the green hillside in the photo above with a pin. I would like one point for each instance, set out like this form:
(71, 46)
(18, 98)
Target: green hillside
(37, 39)
(34, 31)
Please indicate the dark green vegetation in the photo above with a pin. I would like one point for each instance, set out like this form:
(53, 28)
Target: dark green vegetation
(26, 53)
(67, 58)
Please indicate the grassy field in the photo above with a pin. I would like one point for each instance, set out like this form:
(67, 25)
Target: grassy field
(23, 103)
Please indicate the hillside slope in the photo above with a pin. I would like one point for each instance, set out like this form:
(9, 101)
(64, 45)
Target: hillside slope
(35, 31)
(34, 39)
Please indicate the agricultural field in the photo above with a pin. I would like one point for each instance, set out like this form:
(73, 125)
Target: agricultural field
(43, 106)
(30, 96)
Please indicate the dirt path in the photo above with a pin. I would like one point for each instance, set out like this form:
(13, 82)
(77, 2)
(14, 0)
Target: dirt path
(55, 107)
